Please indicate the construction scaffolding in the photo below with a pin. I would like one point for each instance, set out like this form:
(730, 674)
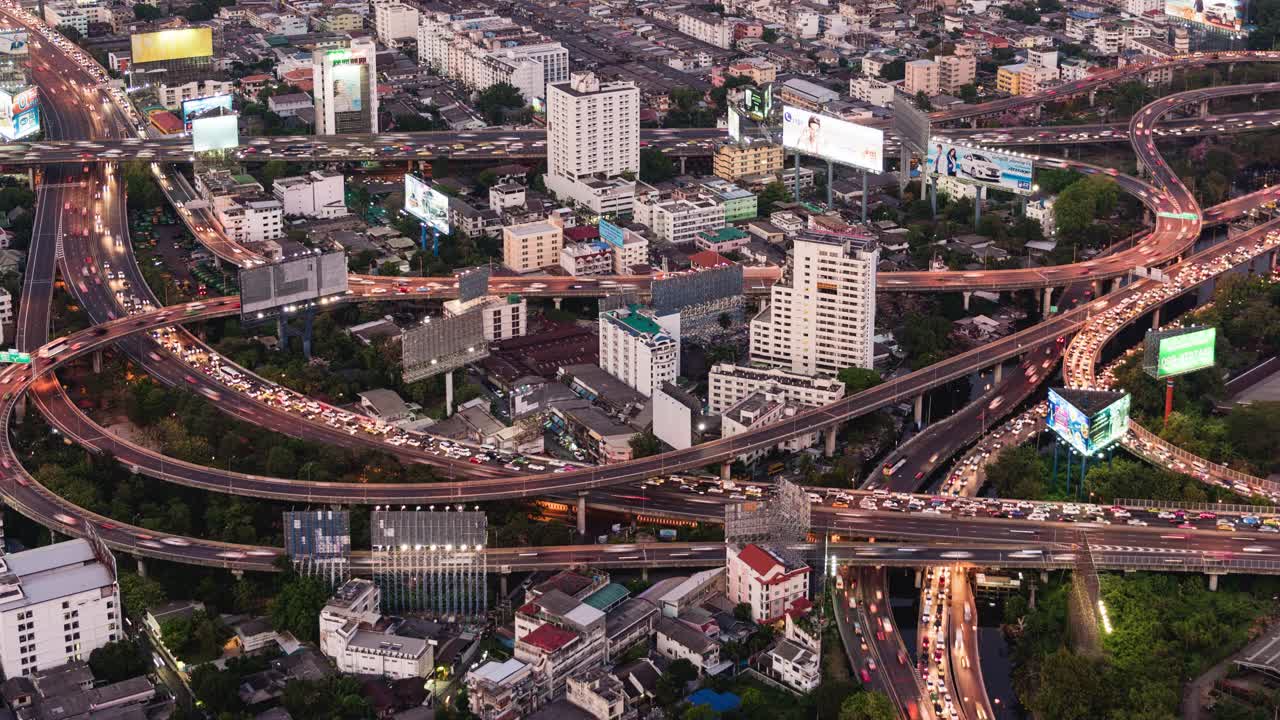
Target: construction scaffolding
(318, 543)
(431, 562)
(783, 518)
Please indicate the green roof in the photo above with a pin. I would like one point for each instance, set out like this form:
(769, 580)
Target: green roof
(607, 596)
(640, 323)
(244, 179)
(724, 234)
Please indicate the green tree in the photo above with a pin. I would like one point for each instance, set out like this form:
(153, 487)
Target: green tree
(140, 184)
(119, 660)
(296, 607)
(775, 193)
(922, 102)
(742, 611)
(218, 690)
(281, 461)
(969, 93)
(496, 100)
(872, 705)
(645, 444)
(1017, 472)
(769, 35)
(655, 166)
(699, 712)
(138, 593)
(857, 379)
(146, 13)
(924, 338)
(1255, 430)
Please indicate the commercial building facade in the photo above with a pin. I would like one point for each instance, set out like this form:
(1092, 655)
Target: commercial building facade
(346, 88)
(532, 246)
(317, 194)
(593, 140)
(637, 349)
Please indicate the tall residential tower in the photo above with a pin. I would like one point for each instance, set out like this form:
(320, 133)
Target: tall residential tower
(593, 139)
(346, 88)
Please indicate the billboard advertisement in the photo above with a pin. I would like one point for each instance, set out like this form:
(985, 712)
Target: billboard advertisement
(19, 114)
(1108, 426)
(214, 104)
(612, 234)
(735, 125)
(1088, 434)
(758, 103)
(426, 203)
(347, 93)
(833, 139)
(1068, 422)
(13, 42)
(442, 344)
(177, 44)
(981, 166)
(1177, 352)
(1220, 14)
(268, 288)
(215, 133)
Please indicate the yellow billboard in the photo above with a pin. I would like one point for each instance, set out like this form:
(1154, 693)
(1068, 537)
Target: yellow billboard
(172, 45)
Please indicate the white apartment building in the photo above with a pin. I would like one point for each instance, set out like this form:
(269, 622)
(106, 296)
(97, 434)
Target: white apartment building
(533, 245)
(588, 258)
(480, 49)
(346, 636)
(921, 77)
(633, 251)
(599, 694)
(680, 220)
(794, 660)
(871, 90)
(75, 14)
(639, 348)
(395, 22)
(346, 88)
(771, 583)
(707, 27)
(729, 384)
(172, 96)
(677, 641)
(503, 316)
(501, 690)
(317, 194)
(277, 23)
(251, 220)
(821, 315)
(956, 71)
(593, 138)
(6, 319)
(58, 603)
(1038, 209)
(761, 409)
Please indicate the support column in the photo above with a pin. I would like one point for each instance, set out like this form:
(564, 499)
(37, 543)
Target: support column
(1204, 108)
(1044, 576)
(1115, 284)
(448, 394)
(556, 302)
(97, 362)
(796, 179)
(237, 574)
(977, 207)
(20, 409)
(142, 567)
(582, 514)
(830, 449)
(1213, 582)
(1032, 602)
(644, 573)
(919, 578)
(31, 178)
(999, 374)
(502, 583)
(919, 411)
(726, 470)
(1046, 304)
(967, 295)
(831, 176)
(682, 160)
(1155, 318)
(1096, 286)
(864, 197)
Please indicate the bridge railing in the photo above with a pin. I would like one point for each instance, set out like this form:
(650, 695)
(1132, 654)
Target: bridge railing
(1213, 469)
(1234, 508)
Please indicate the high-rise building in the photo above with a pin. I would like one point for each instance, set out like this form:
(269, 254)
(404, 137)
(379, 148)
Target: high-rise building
(503, 316)
(956, 71)
(638, 349)
(530, 246)
(395, 23)
(821, 315)
(480, 49)
(58, 603)
(593, 140)
(734, 161)
(346, 88)
(921, 77)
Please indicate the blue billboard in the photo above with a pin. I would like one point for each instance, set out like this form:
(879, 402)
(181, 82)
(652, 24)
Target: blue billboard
(1069, 423)
(212, 105)
(612, 234)
(24, 124)
(1089, 434)
(980, 166)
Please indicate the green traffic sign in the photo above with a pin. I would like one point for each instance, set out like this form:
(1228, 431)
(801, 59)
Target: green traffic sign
(13, 356)
(1179, 216)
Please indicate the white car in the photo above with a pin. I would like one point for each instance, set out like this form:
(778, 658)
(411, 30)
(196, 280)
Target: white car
(979, 167)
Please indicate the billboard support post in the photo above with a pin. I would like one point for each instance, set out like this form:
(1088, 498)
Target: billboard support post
(831, 176)
(796, 180)
(1168, 398)
(448, 394)
(977, 207)
(864, 197)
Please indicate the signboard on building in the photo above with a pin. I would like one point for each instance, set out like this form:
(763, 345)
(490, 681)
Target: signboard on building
(910, 123)
(473, 283)
(13, 356)
(1227, 15)
(757, 103)
(833, 139)
(292, 284)
(348, 87)
(179, 44)
(735, 125)
(426, 203)
(1088, 420)
(212, 105)
(980, 166)
(13, 42)
(612, 234)
(19, 114)
(1177, 352)
(220, 132)
(439, 345)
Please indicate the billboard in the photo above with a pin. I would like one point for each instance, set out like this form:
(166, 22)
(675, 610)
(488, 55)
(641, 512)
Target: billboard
(212, 105)
(1088, 421)
(612, 234)
(833, 139)
(177, 44)
(1220, 14)
(735, 125)
(440, 345)
(910, 123)
(473, 283)
(19, 114)
(1177, 352)
(426, 203)
(348, 93)
(292, 284)
(758, 103)
(317, 535)
(13, 42)
(980, 166)
(215, 133)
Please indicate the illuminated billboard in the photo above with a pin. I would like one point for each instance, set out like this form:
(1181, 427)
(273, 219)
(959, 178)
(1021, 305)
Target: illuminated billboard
(1220, 14)
(1088, 420)
(426, 203)
(348, 95)
(219, 132)
(758, 104)
(1177, 352)
(980, 166)
(165, 45)
(735, 125)
(19, 114)
(13, 42)
(214, 104)
(833, 139)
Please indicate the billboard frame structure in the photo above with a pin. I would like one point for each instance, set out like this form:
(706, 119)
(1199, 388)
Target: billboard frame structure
(442, 345)
(980, 185)
(317, 294)
(1153, 349)
(431, 561)
(318, 543)
(914, 129)
(854, 129)
(1094, 406)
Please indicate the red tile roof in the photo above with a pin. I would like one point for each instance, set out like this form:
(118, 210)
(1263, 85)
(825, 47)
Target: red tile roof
(582, 233)
(708, 259)
(255, 78)
(549, 638)
(759, 560)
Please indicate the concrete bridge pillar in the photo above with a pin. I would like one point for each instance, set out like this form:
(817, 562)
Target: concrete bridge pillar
(830, 434)
(556, 302)
(919, 578)
(1096, 286)
(582, 514)
(237, 574)
(1115, 284)
(1044, 576)
(682, 163)
(20, 409)
(999, 374)
(1093, 97)
(919, 411)
(967, 295)
(644, 573)
(1031, 603)
(1213, 582)
(142, 567)
(1204, 108)
(726, 470)
(1046, 303)
(1155, 318)
(502, 583)
(97, 362)
(31, 177)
